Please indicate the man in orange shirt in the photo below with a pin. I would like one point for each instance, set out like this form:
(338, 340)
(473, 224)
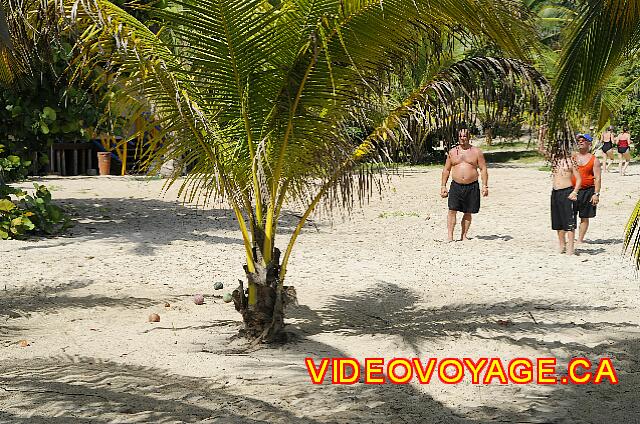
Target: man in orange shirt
(589, 194)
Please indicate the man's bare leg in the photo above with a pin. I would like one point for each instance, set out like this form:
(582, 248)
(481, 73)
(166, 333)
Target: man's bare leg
(562, 243)
(584, 226)
(466, 223)
(570, 238)
(451, 224)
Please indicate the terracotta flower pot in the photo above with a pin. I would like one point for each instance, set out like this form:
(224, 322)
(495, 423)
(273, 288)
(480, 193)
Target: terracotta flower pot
(104, 163)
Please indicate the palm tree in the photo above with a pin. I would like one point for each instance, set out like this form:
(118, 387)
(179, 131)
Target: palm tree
(253, 97)
(26, 33)
(604, 38)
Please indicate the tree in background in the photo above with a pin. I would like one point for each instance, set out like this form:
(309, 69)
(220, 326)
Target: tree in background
(39, 104)
(255, 98)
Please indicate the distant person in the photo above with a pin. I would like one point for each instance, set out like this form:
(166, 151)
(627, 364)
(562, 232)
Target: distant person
(464, 194)
(624, 153)
(589, 194)
(563, 198)
(608, 138)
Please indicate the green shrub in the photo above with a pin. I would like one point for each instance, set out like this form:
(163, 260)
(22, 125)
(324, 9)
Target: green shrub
(12, 167)
(29, 214)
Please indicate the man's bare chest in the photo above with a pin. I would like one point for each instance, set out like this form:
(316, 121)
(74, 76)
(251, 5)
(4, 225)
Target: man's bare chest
(582, 160)
(459, 156)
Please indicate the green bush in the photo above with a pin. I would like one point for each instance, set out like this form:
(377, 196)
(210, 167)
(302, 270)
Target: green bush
(12, 167)
(29, 214)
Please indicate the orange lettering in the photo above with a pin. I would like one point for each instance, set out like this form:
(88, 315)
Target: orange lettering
(339, 371)
(475, 368)
(495, 370)
(605, 369)
(373, 369)
(424, 374)
(391, 371)
(543, 371)
(583, 363)
(317, 374)
(525, 375)
(442, 371)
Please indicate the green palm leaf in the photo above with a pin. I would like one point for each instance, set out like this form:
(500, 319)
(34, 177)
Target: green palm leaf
(601, 38)
(27, 30)
(254, 97)
(632, 236)
(604, 36)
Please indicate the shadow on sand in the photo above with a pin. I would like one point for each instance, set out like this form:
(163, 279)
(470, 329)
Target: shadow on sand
(503, 237)
(276, 386)
(140, 221)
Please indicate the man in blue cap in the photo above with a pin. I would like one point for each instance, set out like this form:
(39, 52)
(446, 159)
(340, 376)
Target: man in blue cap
(589, 194)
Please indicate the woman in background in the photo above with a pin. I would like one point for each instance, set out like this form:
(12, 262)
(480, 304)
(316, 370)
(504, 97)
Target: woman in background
(624, 144)
(608, 137)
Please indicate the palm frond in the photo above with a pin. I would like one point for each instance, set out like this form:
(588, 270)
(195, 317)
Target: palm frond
(28, 29)
(600, 39)
(632, 236)
(254, 98)
(506, 87)
(5, 39)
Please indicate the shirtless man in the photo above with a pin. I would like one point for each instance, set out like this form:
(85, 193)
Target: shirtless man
(464, 195)
(608, 137)
(589, 194)
(563, 197)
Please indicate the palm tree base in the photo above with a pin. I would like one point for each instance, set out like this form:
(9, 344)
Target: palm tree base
(264, 317)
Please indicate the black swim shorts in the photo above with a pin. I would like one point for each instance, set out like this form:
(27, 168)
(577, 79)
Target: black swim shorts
(464, 197)
(563, 216)
(623, 150)
(583, 206)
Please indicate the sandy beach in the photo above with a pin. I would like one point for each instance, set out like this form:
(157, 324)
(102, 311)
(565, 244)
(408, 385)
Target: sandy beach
(378, 283)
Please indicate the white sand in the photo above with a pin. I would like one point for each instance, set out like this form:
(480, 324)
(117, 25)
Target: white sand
(380, 283)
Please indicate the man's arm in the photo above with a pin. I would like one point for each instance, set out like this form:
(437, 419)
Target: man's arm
(597, 174)
(484, 174)
(574, 168)
(445, 176)
(542, 149)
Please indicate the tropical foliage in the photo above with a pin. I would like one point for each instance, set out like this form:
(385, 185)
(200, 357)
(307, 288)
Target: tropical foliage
(29, 213)
(256, 99)
(604, 41)
(38, 112)
(12, 167)
(38, 103)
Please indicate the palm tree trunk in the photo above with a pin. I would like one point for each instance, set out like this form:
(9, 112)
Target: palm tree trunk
(264, 318)
(488, 134)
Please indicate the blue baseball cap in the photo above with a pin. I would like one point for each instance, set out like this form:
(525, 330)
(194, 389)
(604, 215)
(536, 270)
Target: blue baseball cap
(586, 137)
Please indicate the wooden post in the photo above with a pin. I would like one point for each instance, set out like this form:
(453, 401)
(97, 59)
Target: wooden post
(124, 159)
(75, 161)
(62, 163)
